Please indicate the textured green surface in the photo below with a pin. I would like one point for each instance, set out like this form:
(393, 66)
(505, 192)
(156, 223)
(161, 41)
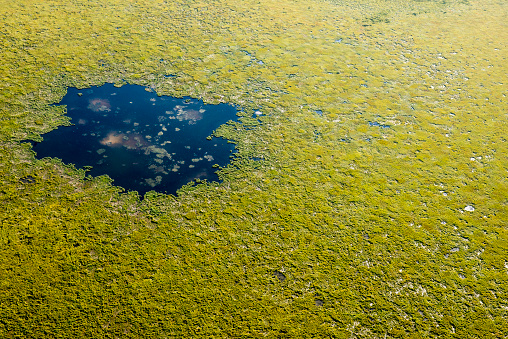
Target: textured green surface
(367, 224)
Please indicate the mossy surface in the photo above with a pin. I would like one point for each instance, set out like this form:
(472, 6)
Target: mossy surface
(328, 223)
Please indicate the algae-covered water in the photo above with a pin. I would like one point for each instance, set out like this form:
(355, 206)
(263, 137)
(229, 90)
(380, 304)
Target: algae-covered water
(141, 140)
(368, 200)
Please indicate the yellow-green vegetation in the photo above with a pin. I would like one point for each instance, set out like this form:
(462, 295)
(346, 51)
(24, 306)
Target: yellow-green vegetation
(343, 229)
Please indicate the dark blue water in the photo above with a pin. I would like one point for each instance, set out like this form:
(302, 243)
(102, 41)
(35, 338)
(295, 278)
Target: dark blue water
(142, 141)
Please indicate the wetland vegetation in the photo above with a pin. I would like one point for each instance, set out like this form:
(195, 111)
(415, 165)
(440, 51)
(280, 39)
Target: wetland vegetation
(368, 200)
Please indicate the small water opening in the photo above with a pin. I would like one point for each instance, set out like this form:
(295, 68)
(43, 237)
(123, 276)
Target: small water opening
(141, 140)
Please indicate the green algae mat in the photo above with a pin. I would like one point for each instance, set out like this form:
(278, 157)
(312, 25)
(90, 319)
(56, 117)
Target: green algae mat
(369, 200)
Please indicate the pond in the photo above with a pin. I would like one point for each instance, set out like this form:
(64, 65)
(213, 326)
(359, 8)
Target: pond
(141, 140)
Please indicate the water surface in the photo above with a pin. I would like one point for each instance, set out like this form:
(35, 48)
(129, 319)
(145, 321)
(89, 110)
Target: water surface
(142, 141)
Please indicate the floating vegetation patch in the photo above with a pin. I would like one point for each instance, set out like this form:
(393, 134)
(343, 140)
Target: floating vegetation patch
(142, 141)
